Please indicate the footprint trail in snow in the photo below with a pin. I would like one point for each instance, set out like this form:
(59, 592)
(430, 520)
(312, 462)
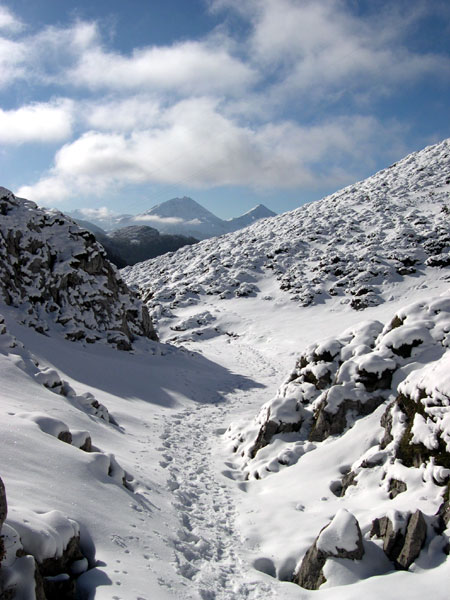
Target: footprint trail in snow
(206, 541)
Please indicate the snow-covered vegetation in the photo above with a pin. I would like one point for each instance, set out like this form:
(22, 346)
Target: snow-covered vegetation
(184, 470)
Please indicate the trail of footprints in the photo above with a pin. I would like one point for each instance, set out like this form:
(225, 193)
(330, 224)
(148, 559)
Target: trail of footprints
(205, 541)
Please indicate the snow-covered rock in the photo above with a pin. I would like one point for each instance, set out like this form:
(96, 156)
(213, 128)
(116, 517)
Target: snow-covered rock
(58, 277)
(340, 539)
(339, 380)
(40, 554)
(403, 536)
(390, 383)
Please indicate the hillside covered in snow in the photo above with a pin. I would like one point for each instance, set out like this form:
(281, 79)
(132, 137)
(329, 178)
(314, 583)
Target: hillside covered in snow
(288, 434)
(345, 470)
(353, 245)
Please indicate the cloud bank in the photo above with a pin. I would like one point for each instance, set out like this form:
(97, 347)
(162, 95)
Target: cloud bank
(287, 105)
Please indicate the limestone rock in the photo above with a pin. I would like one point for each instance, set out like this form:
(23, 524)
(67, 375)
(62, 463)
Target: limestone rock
(3, 513)
(416, 533)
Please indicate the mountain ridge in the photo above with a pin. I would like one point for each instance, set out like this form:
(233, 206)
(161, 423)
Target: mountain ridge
(181, 216)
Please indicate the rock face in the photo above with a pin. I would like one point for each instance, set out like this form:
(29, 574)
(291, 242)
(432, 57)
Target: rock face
(3, 513)
(60, 279)
(341, 538)
(403, 541)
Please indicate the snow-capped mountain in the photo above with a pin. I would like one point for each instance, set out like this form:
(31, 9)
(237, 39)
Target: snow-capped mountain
(181, 216)
(258, 212)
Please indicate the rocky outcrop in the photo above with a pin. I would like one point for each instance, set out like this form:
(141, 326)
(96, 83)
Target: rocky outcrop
(421, 439)
(3, 514)
(26, 568)
(343, 379)
(403, 537)
(341, 538)
(58, 277)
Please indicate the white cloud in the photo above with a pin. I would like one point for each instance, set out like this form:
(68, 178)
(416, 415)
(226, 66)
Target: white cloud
(46, 56)
(39, 122)
(122, 114)
(216, 111)
(195, 144)
(47, 191)
(12, 61)
(159, 220)
(8, 21)
(102, 212)
(188, 67)
(319, 49)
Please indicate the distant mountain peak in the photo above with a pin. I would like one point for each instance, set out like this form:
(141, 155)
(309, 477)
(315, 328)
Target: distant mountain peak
(254, 214)
(181, 216)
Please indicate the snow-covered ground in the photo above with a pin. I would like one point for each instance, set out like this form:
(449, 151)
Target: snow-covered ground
(187, 525)
(164, 506)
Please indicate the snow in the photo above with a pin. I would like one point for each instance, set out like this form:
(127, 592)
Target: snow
(340, 534)
(164, 507)
(43, 535)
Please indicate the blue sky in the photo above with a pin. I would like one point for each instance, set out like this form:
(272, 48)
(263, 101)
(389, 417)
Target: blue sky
(116, 107)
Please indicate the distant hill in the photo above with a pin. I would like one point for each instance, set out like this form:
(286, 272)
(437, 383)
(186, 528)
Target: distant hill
(180, 216)
(135, 243)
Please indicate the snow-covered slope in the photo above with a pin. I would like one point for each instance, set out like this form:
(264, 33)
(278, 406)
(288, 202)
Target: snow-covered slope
(345, 471)
(121, 471)
(355, 245)
(58, 277)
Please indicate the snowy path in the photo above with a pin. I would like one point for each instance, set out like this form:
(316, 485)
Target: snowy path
(208, 548)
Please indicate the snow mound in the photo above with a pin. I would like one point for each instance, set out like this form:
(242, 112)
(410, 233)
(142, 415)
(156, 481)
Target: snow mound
(57, 276)
(349, 245)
